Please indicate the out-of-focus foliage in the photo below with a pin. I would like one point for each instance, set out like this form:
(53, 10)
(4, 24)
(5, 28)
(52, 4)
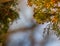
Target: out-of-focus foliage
(7, 15)
(46, 10)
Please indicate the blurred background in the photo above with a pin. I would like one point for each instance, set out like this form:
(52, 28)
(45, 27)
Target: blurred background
(26, 30)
